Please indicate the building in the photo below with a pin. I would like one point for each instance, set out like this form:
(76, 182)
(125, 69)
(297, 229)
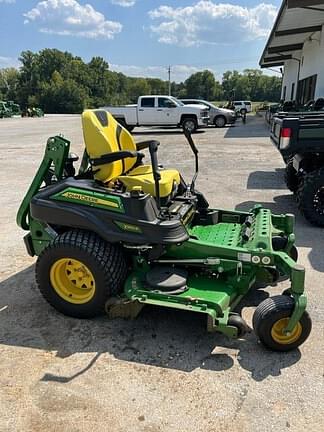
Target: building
(296, 43)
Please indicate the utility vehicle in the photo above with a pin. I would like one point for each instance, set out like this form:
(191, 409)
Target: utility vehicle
(122, 234)
(300, 140)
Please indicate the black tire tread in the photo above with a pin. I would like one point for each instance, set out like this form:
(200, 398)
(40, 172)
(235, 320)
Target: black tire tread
(192, 119)
(108, 257)
(304, 192)
(291, 178)
(220, 116)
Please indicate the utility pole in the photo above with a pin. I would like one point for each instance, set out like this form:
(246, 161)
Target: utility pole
(169, 73)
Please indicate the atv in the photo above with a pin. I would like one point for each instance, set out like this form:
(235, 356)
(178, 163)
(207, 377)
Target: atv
(121, 234)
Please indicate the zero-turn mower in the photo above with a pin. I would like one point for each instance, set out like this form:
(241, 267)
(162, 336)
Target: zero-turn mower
(121, 234)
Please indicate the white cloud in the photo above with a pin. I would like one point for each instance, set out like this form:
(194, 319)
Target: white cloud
(207, 22)
(178, 72)
(7, 1)
(70, 18)
(123, 3)
(6, 62)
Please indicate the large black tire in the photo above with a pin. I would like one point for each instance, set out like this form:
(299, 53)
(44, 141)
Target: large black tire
(271, 315)
(243, 111)
(310, 197)
(123, 123)
(219, 121)
(105, 262)
(189, 124)
(291, 177)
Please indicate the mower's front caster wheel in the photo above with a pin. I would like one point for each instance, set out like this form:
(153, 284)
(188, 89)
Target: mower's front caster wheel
(238, 322)
(78, 272)
(271, 318)
(286, 292)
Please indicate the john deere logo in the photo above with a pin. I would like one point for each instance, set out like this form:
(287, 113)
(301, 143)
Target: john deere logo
(91, 199)
(81, 197)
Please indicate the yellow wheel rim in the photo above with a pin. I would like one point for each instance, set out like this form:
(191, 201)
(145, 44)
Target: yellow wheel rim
(278, 335)
(72, 281)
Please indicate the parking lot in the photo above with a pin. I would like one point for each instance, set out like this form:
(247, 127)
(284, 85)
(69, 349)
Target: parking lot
(163, 371)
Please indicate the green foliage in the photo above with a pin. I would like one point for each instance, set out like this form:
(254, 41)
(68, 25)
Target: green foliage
(59, 82)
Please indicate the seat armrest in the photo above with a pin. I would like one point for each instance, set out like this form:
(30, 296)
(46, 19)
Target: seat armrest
(146, 144)
(115, 156)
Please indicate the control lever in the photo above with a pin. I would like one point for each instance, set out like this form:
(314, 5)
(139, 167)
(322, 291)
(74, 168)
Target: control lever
(153, 148)
(194, 149)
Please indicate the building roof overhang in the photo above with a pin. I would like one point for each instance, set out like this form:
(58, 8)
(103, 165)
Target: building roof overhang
(297, 21)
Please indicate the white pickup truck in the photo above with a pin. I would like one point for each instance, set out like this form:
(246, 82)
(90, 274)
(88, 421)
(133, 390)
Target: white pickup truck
(160, 111)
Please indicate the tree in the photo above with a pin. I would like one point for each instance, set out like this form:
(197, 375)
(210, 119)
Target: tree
(201, 85)
(60, 82)
(138, 87)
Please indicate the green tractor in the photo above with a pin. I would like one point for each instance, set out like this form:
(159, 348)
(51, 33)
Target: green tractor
(121, 234)
(15, 108)
(5, 111)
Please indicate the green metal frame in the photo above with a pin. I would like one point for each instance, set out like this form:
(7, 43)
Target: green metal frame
(223, 272)
(56, 154)
(223, 265)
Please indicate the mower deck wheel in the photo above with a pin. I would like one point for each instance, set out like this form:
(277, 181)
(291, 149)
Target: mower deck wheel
(79, 272)
(271, 318)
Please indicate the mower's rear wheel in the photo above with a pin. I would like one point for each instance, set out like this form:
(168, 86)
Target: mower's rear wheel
(79, 272)
(271, 318)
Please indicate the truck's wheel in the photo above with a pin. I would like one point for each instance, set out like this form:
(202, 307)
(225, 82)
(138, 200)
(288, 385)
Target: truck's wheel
(189, 124)
(310, 197)
(123, 123)
(291, 177)
(243, 111)
(79, 272)
(220, 121)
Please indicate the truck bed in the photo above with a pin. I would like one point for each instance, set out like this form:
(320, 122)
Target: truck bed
(306, 133)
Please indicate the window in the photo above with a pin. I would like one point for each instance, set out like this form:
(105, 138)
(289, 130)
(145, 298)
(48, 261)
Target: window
(284, 93)
(292, 91)
(247, 103)
(306, 89)
(147, 102)
(165, 103)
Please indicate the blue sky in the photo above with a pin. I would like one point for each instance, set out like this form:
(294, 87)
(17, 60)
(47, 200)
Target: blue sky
(141, 37)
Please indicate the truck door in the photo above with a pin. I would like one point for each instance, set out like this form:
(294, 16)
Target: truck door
(167, 112)
(146, 111)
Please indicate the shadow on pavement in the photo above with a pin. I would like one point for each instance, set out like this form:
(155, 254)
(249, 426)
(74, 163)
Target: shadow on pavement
(159, 337)
(267, 179)
(254, 127)
(306, 235)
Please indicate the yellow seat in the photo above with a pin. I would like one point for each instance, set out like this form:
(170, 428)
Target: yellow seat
(103, 135)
